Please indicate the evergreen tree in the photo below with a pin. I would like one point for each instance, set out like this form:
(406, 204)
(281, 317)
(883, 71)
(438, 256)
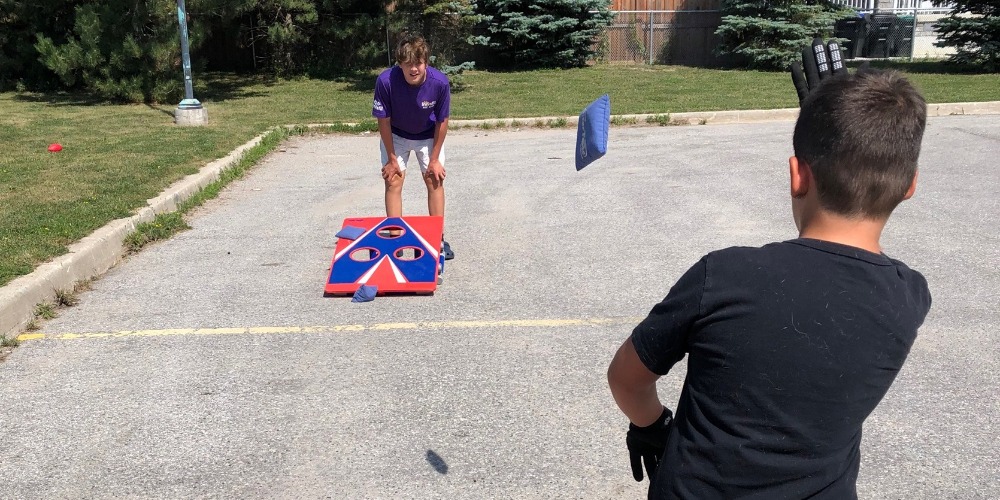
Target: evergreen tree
(770, 34)
(20, 22)
(544, 33)
(122, 50)
(447, 25)
(973, 29)
(286, 37)
(282, 29)
(129, 50)
(350, 35)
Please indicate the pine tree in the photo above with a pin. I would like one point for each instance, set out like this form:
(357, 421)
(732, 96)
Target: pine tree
(973, 29)
(121, 50)
(544, 33)
(447, 25)
(129, 50)
(350, 35)
(770, 34)
(288, 37)
(282, 28)
(20, 23)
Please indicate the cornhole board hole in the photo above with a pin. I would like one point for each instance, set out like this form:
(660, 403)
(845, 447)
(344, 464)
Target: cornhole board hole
(397, 254)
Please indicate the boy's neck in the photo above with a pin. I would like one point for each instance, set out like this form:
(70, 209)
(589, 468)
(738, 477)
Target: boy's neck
(859, 233)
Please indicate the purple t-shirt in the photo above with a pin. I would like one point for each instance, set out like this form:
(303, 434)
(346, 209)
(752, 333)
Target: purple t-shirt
(414, 110)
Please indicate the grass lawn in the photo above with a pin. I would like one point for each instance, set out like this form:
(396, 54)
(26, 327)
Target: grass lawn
(117, 156)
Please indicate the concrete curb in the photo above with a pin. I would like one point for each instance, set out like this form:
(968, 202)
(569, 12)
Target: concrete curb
(95, 254)
(964, 108)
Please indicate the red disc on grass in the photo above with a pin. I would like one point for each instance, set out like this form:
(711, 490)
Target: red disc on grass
(54, 147)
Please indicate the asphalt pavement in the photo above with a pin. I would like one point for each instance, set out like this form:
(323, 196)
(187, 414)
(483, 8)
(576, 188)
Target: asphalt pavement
(211, 365)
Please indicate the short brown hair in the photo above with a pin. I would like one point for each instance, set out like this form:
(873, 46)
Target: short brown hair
(411, 47)
(860, 135)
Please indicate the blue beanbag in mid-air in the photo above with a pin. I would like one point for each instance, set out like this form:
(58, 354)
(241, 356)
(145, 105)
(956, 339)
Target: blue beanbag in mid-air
(592, 132)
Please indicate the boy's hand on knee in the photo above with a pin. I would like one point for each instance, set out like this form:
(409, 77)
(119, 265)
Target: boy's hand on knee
(435, 170)
(390, 170)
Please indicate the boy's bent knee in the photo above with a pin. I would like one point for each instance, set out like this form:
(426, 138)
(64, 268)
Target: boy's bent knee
(394, 184)
(432, 183)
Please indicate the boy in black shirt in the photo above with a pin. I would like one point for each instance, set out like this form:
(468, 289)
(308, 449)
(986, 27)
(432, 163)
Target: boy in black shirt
(792, 345)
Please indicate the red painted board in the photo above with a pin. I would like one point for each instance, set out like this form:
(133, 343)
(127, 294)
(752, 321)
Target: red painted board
(407, 262)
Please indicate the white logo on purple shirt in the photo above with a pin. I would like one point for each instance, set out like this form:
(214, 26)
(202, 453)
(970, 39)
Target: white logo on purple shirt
(428, 104)
(377, 105)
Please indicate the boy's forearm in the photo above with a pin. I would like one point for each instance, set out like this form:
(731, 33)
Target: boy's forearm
(440, 131)
(385, 132)
(641, 405)
(634, 387)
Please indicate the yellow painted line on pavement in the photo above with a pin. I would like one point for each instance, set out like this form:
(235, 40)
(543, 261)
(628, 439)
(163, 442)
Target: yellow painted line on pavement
(423, 325)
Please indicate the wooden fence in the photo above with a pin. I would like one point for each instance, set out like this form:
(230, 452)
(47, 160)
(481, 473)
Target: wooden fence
(663, 32)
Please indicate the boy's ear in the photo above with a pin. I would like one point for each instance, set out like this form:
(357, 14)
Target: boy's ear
(800, 177)
(913, 186)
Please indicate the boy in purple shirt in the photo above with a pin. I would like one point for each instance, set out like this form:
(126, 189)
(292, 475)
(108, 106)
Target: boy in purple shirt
(412, 104)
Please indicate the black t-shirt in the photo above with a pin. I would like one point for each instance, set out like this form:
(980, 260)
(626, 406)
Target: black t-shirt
(790, 347)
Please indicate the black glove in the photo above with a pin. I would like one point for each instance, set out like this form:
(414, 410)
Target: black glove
(646, 444)
(819, 62)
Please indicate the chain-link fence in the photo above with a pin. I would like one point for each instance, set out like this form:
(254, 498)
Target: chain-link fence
(661, 37)
(899, 5)
(877, 34)
(889, 33)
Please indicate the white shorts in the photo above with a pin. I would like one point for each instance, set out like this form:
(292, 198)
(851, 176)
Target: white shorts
(402, 146)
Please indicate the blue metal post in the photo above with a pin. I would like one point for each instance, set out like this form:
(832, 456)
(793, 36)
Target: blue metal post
(189, 101)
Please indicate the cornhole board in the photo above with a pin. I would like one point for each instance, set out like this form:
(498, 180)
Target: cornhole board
(407, 263)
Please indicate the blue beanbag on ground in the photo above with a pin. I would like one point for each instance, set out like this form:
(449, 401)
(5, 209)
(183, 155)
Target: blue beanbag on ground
(592, 132)
(365, 293)
(350, 232)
